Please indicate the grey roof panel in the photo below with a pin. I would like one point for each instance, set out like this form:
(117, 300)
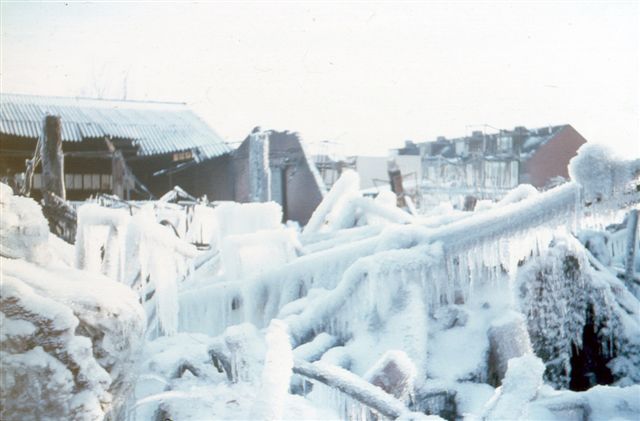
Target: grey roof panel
(156, 127)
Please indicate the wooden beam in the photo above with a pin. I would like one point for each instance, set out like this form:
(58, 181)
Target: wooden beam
(52, 158)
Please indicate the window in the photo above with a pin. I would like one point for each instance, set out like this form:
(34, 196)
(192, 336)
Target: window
(86, 181)
(77, 181)
(105, 182)
(505, 144)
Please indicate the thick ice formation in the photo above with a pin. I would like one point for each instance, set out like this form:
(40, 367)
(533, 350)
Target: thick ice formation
(387, 313)
(600, 174)
(69, 338)
(519, 387)
(565, 302)
(276, 375)
(24, 232)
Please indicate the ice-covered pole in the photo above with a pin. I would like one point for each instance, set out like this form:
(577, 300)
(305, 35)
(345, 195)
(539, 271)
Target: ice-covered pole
(276, 375)
(632, 237)
(52, 158)
(259, 172)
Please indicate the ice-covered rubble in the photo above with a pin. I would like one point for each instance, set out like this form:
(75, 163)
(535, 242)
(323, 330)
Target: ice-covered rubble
(69, 338)
(368, 312)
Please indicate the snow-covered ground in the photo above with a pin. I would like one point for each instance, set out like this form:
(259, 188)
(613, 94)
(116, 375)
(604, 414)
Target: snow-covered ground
(514, 311)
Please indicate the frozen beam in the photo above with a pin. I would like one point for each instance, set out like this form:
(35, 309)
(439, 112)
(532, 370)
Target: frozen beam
(353, 386)
(259, 172)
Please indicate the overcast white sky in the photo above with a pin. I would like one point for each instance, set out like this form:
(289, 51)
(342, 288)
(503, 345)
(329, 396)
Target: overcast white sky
(367, 76)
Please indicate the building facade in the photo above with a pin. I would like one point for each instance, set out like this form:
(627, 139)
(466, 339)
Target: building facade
(486, 166)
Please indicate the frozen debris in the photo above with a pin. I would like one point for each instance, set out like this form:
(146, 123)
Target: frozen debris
(600, 174)
(597, 403)
(298, 306)
(247, 349)
(313, 351)
(100, 237)
(247, 255)
(136, 251)
(437, 398)
(203, 227)
(470, 399)
(570, 305)
(156, 261)
(36, 385)
(6, 193)
(86, 333)
(597, 242)
(541, 212)
(347, 186)
(450, 357)
(344, 208)
(24, 232)
(210, 308)
(318, 242)
(394, 373)
(451, 316)
(352, 385)
(276, 374)
(359, 290)
(519, 387)
(521, 192)
(245, 218)
(508, 338)
(175, 194)
(383, 212)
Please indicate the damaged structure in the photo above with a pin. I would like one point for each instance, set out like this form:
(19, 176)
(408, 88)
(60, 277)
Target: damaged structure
(278, 160)
(163, 144)
(368, 312)
(140, 150)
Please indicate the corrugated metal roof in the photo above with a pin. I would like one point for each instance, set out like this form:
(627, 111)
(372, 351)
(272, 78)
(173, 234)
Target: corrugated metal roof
(155, 127)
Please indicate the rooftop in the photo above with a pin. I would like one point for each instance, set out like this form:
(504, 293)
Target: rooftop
(155, 128)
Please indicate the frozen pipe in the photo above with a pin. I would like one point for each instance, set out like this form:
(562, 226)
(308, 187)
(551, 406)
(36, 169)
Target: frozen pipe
(392, 214)
(349, 182)
(353, 386)
(312, 351)
(517, 217)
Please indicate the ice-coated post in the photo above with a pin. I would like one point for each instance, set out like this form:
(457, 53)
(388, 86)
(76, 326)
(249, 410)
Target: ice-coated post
(259, 172)
(52, 158)
(632, 235)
